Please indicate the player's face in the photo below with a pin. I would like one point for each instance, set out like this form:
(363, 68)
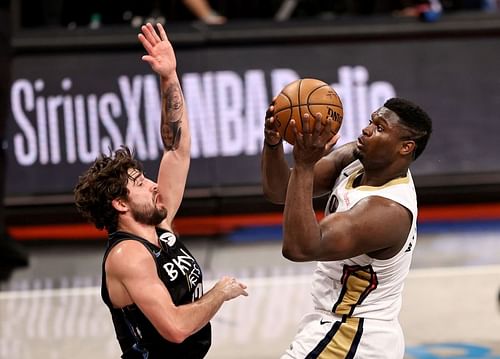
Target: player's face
(143, 199)
(380, 141)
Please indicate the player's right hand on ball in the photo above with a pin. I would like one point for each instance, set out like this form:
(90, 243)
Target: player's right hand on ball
(231, 288)
(271, 135)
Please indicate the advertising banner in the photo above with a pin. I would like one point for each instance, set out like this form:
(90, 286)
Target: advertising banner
(66, 108)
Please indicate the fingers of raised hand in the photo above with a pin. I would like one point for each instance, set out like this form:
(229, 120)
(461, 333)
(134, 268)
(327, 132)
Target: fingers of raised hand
(145, 43)
(153, 32)
(147, 32)
(150, 34)
(163, 33)
(293, 126)
(318, 125)
(306, 124)
(325, 130)
(322, 129)
(270, 111)
(270, 123)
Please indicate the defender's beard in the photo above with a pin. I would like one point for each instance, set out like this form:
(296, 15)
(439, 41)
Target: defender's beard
(150, 215)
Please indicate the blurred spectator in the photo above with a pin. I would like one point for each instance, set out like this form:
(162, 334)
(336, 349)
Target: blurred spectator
(160, 10)
(203, 11)
(425, 10)
(333, 8)
(94, 13)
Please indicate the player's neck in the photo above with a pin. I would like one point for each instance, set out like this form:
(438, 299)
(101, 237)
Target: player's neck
(379, 178)
(145, 231)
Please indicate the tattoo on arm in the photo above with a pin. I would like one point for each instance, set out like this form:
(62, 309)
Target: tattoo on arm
(171, 119)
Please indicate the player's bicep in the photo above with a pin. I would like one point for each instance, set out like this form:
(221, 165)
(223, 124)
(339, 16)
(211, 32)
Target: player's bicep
(371, 225)
(134, 267)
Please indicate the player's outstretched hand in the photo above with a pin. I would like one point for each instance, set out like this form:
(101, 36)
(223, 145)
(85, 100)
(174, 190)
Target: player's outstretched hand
(231, 288)
(160, 55)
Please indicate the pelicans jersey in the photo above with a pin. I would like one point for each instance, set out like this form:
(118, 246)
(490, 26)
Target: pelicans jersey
(357, 300)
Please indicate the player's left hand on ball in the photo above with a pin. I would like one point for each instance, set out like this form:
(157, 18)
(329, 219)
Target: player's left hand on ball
(271, 135)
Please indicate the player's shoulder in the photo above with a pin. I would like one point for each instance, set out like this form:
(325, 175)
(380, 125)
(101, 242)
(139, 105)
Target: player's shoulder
(383, 206)
(129, 259)
(127, 252)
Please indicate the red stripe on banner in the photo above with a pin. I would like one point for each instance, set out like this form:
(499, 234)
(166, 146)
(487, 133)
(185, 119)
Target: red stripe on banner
(486, 211)
(214, 225)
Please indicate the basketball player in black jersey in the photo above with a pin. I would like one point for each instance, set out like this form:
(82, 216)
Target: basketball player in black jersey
(151, 282)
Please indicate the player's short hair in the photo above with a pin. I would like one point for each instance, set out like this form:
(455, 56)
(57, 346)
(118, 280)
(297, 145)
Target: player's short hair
(104, 181)
(414, 119)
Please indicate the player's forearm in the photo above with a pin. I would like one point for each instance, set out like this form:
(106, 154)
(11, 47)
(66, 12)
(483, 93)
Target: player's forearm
(275, 173)
(174, 126)
(194, 316)
(301, 230)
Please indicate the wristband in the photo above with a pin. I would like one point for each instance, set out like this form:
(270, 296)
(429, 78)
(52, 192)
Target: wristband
(275, 145)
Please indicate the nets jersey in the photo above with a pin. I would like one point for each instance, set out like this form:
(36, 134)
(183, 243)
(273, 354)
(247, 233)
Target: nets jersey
(363, 286)
(182, 276)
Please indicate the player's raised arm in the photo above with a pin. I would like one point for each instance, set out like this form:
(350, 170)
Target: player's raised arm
(174, 126)
(274, 168)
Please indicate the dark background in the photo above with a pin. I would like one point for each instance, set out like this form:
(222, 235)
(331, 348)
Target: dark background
(449, 67)
(461, 93)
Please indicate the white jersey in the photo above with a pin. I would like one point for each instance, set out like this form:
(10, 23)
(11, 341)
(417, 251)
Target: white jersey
(363, 286)
(357, 300)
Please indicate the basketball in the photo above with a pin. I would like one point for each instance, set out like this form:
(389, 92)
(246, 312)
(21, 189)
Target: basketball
(303, 96)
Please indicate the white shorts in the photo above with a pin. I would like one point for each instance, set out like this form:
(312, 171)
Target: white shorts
(324, 335)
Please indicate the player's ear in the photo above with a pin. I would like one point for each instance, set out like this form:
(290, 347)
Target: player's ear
(119, 204)
(407, 147)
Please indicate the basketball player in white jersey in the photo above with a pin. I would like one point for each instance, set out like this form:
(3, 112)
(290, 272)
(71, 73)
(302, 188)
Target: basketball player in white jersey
(365, 241)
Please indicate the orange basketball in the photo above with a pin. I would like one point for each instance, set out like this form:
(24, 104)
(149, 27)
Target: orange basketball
(306, 96)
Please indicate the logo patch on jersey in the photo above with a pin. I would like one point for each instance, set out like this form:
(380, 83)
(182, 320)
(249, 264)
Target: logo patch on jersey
(322, 322)
(167, 239)
(410, 245)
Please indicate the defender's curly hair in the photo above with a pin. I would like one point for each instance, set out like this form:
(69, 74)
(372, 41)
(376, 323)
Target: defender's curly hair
(103, 182)
(416, 121)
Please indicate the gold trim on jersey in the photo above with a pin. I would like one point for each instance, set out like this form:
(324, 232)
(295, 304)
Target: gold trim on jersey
(341, 341)
(357, 283)
(395, 181)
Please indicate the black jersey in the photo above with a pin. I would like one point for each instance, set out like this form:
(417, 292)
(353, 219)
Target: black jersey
(182, 276)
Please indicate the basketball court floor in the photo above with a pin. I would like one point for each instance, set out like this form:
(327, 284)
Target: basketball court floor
(53, 310)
